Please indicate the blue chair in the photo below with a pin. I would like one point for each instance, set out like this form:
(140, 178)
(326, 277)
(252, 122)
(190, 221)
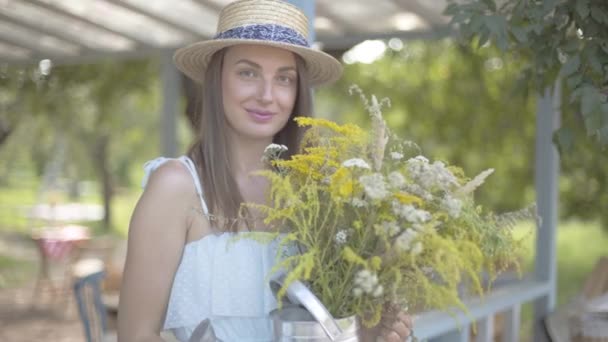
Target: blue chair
(92, 311)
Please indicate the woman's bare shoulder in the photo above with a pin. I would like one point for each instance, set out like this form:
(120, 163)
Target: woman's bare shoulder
(171, 178)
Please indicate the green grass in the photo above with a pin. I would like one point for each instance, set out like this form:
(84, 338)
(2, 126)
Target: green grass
(579, 246)
(15, 201)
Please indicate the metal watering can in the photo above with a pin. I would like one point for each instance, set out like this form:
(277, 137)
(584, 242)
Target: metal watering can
(304, 318)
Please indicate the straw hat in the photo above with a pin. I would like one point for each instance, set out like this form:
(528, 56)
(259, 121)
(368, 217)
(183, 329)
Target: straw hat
(261, 22)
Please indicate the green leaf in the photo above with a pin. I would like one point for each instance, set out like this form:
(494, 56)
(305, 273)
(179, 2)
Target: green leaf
(520, 34)
(502, 41)
(582, 8)
(590, 100)
(484, 36)
(460, 18)
(476, 23)
(574, 81)
(604, 46)
(496, 24)
(571, 66)
(451, 9)
(491, 4)
(598, 14)
(603, 136)
(549, 5)
(594, 61)
(576, 94)
(564, 140)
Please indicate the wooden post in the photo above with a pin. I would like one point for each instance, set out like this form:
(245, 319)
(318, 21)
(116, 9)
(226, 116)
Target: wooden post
(170, 90)
(546, 181)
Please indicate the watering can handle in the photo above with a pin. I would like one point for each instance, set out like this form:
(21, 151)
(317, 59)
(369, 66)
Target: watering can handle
(298, 293)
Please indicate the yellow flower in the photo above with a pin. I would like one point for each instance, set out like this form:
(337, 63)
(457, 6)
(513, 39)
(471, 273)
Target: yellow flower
(406, 198)
(341, 184)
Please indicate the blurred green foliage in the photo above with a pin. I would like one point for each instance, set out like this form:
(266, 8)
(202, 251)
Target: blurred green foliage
(565, 39)
(469, 106)
(472, 107)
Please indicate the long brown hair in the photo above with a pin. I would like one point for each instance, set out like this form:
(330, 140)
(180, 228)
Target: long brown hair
(210, 149)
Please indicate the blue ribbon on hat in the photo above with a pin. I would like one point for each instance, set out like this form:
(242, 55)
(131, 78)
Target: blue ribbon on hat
(267, 32)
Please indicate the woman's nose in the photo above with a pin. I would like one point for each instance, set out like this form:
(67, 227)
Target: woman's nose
(265, 91)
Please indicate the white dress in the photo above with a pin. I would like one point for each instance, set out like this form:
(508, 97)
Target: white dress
(221, 279)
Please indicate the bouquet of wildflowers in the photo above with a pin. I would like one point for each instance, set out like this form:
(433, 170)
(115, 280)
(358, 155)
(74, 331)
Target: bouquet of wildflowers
(376, 224)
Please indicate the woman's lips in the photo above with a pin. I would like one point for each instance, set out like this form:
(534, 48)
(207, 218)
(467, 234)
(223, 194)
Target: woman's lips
(260, 116)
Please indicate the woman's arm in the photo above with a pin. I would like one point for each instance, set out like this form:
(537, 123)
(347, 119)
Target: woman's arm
(157, 234)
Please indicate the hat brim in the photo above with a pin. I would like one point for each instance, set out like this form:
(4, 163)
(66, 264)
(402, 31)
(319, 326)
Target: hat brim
(193, 59)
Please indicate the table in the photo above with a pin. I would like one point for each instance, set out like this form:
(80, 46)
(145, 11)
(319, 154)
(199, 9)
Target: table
(57, 245)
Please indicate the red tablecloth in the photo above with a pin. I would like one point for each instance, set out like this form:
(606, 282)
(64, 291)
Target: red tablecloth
(56, 243)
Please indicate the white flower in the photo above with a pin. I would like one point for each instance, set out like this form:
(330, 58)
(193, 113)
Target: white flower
(396, 156)
(378, 291)
(431, 175)
(374, 186)
(452, 205)
(417, 249)
(272, 152)
(275, 148)
(410, 213)
(396, 179)
(341, 237)
(404, 241)
(358, 203)
(356, 162)
(366, 282)
(444, 178)
(390, 227)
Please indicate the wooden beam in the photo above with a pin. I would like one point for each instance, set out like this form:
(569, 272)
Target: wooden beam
(209, 5)
(188, 32)
(140, 43)
(37, 52)
(45, 30)
(431, 17)
(345, 43)
(10, 59)
(345, 25)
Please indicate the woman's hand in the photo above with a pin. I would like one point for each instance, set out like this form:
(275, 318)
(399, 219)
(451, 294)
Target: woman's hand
(395, 327)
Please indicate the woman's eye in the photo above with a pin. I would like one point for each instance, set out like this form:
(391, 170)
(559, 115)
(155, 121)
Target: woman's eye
(283, 79)
(247, 73)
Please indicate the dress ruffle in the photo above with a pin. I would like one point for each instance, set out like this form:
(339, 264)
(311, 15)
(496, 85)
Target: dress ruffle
(220, 276)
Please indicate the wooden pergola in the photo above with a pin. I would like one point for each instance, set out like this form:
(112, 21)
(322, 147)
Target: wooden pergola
(83, 31)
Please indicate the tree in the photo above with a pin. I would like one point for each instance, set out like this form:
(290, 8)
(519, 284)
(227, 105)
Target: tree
(468, 106)
(558, 39)
(459, 105)
(103, 110)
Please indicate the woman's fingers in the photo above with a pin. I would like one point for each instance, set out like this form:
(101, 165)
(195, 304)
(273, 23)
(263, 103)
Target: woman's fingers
(389, 335)
(399, 326)
(407, 319)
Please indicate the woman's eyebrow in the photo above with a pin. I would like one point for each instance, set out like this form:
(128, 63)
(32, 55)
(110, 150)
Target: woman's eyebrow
(287, 68)
(246, 61)
(257, 66)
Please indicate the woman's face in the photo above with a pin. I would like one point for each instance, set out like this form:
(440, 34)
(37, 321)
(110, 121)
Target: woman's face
(259, 88)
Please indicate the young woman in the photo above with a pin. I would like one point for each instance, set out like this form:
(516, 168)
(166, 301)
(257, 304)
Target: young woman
(180, 270)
